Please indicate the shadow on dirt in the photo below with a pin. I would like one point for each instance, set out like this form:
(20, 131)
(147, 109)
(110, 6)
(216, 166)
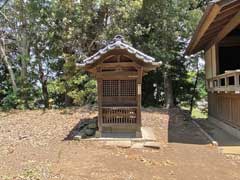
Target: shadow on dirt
(221, 136)
(182, 130)
(79, 126)
(179, 129)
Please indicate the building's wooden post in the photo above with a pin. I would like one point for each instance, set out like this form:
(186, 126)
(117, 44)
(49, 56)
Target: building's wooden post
(236, 78)
(100, 94)
(230, 109)
(226, 84)
(139, 97)
(236, 83)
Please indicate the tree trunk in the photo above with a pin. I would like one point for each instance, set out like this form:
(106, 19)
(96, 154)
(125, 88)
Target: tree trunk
(169, 102)
(68, 74)
(43, 81)
(24, 49)
(23, 46)
(9, 67)
(45, 94)
(194, 90)
(68, 101)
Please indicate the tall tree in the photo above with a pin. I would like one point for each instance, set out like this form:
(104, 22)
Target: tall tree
(162, 29)
(43, 40)
(7, 63)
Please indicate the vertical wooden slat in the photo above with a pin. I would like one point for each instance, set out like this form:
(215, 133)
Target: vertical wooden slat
(127, 117)
(99, 87)
(121, 115)
(138, 96)
(228, 106)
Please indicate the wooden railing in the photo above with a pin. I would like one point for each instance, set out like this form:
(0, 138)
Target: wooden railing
(227, 82)
(119, 115)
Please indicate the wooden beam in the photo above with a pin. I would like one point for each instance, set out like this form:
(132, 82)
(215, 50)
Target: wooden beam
(208, 37)
(118, 58)
(138, 63)
(217, 24)
(205, 22)
(117, 74)
(215, 14)
(213, 29)
(230, 7)
(107, 58)
(146, 66)
(125, 57)
(210, 34)
(221, 16)
(227, 4)
(92, 66)
(234, 22)
(119, 64)
(230, 41)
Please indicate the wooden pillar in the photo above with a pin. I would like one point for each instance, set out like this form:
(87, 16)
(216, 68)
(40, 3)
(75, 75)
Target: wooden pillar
(226, 84)
(236, 83)
(139, 96)
(100, 94)
(236, 79)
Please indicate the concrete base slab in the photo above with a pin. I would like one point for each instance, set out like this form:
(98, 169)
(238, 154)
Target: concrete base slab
(222, 137)
(122, 144)
(227, 143)
(98, 134)
(229, 129)
(118, 135)
(129, 144)
(137, 145)
(148, 134)
(205, 133)
(154, 145)
(235, 150)
(127, 139)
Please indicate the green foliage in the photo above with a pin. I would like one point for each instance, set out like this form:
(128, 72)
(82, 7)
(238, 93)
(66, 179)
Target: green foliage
(81, 88)
(198, 114)
(48, 37)
(85, 96)
(10, 101)
(162, 29)
(202, 93)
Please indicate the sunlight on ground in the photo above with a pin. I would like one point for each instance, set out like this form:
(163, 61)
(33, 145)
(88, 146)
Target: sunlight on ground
(196, 113)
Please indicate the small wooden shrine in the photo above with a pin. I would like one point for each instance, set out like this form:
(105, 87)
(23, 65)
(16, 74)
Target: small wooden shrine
(119, 69)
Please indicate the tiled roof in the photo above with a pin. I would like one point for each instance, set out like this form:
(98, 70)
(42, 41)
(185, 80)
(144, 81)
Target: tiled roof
(119, 43)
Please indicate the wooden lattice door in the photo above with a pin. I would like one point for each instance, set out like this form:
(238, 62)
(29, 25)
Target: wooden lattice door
(119, 87)
(119, 102)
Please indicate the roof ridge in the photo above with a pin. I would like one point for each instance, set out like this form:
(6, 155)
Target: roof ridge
(119, 42)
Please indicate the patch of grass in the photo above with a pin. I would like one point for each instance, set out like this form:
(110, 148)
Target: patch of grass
(27, 174)
(196, 113)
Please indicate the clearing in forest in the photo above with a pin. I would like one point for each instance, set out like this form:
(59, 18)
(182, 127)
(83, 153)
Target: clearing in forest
(38, 145)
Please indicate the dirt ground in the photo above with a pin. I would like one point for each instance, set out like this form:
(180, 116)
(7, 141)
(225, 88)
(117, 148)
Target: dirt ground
(38, 145)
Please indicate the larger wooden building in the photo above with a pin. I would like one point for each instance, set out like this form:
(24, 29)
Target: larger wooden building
(218, 34)
(118, 69)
